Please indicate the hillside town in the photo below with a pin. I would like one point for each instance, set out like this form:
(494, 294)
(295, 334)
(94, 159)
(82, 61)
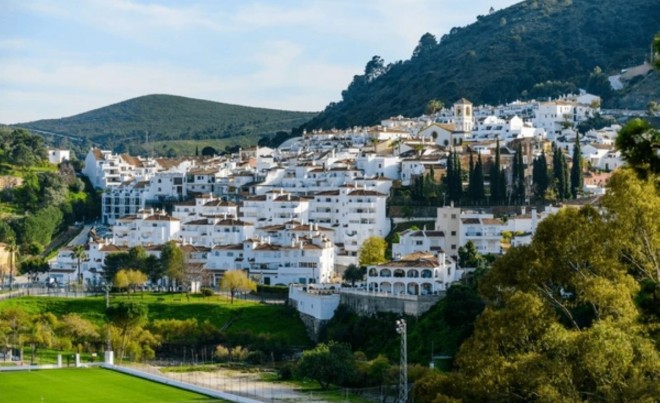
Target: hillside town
(299, 214)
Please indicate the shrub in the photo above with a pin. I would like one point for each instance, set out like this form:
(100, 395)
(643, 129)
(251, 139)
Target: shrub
(221, 353)
(206, 292)
(285, 372)
(256, 357)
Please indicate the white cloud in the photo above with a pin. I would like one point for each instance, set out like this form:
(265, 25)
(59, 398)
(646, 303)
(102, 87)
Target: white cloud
(291, 55)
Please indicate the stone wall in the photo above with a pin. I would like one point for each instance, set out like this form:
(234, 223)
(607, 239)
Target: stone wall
(368, 304)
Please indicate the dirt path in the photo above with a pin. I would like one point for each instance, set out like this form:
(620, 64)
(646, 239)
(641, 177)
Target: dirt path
(248, 384)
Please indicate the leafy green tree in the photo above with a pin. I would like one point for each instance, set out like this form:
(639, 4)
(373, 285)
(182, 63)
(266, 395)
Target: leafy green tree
(17, 323)
(372, 251)
(577, 180)
(78, 330)
(434, 106)
(33, 266)
(468, 256)
(7, 234)
(354, 273)
(127, 317)
(425, 45)
(235, 281)
(328, 364)
(173, 262)
(40, 226)
(561, 320)
(41, 333)
(639, 144)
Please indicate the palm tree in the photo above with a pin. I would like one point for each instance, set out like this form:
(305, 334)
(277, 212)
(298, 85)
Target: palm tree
(79, 254)
(12, 249)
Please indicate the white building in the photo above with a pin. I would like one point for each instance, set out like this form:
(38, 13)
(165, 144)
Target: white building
(56, 156)
(420, 273)
(211, 231)
(303, 261)
(146, 228)
(411, 241)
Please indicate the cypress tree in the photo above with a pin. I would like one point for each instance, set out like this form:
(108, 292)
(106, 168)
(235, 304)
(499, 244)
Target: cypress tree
(540, 176)
(449, 177)
(479, 192)
(458, 191)
(515, 168)
(518, 178)
(567, 177)
(495, 187)
(577, 180)
(503, 185)
(471, 184)
(557, 172)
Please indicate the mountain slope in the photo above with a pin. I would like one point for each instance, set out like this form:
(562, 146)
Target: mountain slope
(500, 56)
(171, 118)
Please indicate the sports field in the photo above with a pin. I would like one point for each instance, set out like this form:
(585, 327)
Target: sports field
(88, 385)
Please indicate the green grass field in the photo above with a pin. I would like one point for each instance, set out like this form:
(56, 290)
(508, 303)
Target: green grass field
(88, 385)
(276, 320)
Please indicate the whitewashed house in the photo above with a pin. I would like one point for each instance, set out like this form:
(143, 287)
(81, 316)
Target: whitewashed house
(420, 273)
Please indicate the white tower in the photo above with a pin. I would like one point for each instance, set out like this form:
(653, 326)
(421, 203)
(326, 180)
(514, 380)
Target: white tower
(463, 119)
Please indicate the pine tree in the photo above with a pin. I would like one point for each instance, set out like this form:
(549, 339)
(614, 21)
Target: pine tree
(577, 180)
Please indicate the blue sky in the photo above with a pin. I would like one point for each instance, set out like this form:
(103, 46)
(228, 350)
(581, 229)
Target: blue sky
(60, 58)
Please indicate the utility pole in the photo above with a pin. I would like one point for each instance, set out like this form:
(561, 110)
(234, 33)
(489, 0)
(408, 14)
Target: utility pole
(109, 354)
(401, 328)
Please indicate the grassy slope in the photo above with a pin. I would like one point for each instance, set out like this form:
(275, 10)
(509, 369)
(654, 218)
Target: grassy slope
(276, 320)
(88, 385)
(167, 117)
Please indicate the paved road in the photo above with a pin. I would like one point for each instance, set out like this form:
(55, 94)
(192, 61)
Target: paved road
(81, 238)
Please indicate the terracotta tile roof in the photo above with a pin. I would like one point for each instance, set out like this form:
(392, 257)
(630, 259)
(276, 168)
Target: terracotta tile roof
(366, 193)
(492, 221)
(131, 160)
(160, 217)
(229, 247)
(98, 155)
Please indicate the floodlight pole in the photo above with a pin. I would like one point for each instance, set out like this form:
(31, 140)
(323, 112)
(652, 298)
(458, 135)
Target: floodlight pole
(109, 354)
(401, 328)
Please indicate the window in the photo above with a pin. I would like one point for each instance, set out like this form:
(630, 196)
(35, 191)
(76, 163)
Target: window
(453, 233)
(419, 242)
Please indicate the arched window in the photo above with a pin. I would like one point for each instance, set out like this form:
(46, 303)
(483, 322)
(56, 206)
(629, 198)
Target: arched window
(413, 273)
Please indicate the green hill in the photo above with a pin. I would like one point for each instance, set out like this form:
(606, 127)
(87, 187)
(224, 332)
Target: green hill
(170, 120)
(501, 57)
